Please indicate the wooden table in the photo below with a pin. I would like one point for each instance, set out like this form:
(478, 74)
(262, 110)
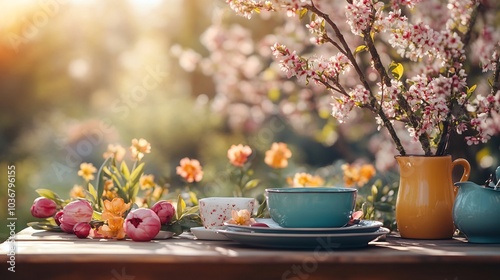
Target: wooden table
(49, 255)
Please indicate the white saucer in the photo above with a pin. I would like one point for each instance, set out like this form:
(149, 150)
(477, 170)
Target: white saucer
(206, 234)
(163, 235)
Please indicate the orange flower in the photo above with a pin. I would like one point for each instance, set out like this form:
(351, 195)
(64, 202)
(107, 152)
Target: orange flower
(278, 155)
(108, 192)
(238, 155)
(190, 170)
(147, 182)
(139, 148)
(242, 217)
(116, 151)
(77, 192)
(356, 174)
(87, 171)
(115, 208)
(113, 228)
(307, 180)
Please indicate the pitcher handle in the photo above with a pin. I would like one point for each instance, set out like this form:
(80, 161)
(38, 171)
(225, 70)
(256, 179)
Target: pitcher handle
(465, 164)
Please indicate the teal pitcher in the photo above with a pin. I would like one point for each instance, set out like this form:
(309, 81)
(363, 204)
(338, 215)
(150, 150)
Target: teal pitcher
(476, 212)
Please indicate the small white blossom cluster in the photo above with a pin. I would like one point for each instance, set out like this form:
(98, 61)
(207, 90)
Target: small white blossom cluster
(316, 69)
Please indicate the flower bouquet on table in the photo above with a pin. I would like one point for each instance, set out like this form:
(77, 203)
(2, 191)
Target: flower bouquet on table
(111, 207)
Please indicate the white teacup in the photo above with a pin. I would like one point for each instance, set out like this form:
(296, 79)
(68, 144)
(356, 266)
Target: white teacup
(214, 211)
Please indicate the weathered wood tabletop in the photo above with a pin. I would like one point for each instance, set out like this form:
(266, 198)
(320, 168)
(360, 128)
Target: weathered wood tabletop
(49, 255)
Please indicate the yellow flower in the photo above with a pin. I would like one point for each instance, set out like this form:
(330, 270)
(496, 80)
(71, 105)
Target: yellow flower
(190, 170)
(113, 228)
(238, 155)
(278, 155)
(356, 174)
(307, 180)
(242, 217)
(77, 192)
(115, 151)
(87, 171)
(158, 192)
(139, 148)
(114, 208)
(147, 182)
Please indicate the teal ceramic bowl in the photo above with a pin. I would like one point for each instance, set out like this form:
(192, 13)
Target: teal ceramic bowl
(311, 207)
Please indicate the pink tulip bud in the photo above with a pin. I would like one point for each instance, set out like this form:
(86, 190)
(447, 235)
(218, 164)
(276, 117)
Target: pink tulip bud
(164, 210)
(75, 212)
(58, 217)
(142, 224)
(43, 208)
(81, 229)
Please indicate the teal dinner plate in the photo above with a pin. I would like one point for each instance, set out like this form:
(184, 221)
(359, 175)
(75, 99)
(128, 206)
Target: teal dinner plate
(362, 226)
(317, 241)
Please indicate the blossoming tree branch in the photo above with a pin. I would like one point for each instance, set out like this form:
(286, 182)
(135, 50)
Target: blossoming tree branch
(425, 86)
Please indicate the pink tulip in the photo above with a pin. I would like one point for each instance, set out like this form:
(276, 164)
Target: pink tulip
(75, 212)
(43, 208)
(81, 229)
(142, 224)
(164, 210)
(58, 217)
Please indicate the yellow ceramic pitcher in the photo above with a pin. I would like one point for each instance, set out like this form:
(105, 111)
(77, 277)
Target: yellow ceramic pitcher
(426, 195)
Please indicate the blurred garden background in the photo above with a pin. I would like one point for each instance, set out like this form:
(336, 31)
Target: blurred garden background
(189, 76)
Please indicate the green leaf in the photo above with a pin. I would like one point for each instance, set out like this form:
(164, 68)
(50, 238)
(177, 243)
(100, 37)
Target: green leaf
(262, 210)
(92, 192)
(125, 171)
(133, 191)
(190, 211)
(374, 190)
(396, 69)
(360, 49)
(51, 195)
(100, 182)
(302, 13)
(117, 177)
(175, 227)
(189, 221)
(193, 198)
(48, 194)
(123, 195)
(137, 172)
(471, 90)
(132, 187)
(383, 206)
(251, 184)
(180, 206)
(45, 226)
(96, 215)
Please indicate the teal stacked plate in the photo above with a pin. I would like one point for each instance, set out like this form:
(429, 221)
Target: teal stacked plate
(361, 227)
(317, 241)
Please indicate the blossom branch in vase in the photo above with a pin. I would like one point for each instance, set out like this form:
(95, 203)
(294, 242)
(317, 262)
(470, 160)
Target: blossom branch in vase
(431, 101)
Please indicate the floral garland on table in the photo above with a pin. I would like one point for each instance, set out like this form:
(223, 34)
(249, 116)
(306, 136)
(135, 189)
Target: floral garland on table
(113, 208)
(435, 100)
(110, 207)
